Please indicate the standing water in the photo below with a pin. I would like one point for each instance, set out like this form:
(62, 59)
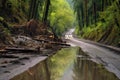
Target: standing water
(67, 64)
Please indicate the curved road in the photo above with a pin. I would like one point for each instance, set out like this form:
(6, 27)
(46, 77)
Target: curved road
(101, 55)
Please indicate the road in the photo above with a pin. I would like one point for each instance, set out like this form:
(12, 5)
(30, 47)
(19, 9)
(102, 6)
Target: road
(109, 58)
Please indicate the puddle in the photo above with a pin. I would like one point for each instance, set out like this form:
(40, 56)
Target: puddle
(67, 64)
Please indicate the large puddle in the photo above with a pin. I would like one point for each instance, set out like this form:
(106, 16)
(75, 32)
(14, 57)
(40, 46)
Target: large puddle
(67, 64)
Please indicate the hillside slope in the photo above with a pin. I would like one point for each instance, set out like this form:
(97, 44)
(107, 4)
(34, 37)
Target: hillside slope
(107, 28)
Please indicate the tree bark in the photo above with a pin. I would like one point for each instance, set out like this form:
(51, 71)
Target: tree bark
(82, 15)
(86, 12)
(4, 3)
(95, 16)
(46, 10)
(102, 5)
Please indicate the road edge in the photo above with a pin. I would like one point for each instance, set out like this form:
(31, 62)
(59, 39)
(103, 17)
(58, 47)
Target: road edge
(112, 48)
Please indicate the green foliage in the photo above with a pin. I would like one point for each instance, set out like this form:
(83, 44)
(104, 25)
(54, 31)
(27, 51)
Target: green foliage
(77, 31)
(1, 18)
(19, 5)
(70, 2)
(61, 16)
(107, 27)
(14, 11)
(61, 62)
(5, 36)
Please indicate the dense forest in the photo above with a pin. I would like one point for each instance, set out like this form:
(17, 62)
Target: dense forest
(98, 20)
(86, 34)
(59, 39)
(56, 14)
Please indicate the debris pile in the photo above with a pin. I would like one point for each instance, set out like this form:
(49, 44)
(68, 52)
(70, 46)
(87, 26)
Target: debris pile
(35, 35)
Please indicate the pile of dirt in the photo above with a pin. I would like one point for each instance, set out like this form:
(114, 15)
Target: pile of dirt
(31, 28)
(33, 34)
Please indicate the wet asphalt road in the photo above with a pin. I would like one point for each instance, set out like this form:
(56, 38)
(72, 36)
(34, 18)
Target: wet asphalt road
(101, 55)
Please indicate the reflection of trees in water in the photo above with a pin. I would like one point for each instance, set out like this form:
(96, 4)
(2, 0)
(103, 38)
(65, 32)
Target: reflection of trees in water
(60, 62)
(38, 72)
(47, 70)
(87, 70)
(54, 68)
(79, 66)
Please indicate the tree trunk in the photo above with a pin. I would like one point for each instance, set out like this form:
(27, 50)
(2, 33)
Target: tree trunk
(30, 10)
(79, 20)
(95, 16)
(46, 10)
(86, 12)
(82, 15)
(4, 3)
(102, 5)
(33, 9)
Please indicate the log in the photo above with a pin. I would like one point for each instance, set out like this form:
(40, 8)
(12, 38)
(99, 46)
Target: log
(23, 50)
(41, 40)
(3, 51)
(8, 56)
(59, 43)
(52, 42)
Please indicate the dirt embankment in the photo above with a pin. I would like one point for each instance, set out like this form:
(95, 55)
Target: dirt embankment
(22, 44)
(32, 37)
(33, 29)
(109, 36)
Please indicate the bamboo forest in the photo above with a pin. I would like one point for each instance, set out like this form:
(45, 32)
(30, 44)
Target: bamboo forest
(59, 39)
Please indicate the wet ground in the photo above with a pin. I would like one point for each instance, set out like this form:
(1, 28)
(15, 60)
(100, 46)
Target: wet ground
(106, 55)
(67, 64)
(11, 67)
(26, 53)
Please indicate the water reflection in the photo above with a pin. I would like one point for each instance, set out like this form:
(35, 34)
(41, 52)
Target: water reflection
(38, 72)
(88, 70)
(60, 62)
(67, 64)
(85, 69)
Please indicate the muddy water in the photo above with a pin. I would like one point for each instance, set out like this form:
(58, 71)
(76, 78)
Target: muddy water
(67, 64)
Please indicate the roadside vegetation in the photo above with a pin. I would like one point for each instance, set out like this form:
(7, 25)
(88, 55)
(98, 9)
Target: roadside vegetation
(32, 27)
(98, 20)
(56, 15)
